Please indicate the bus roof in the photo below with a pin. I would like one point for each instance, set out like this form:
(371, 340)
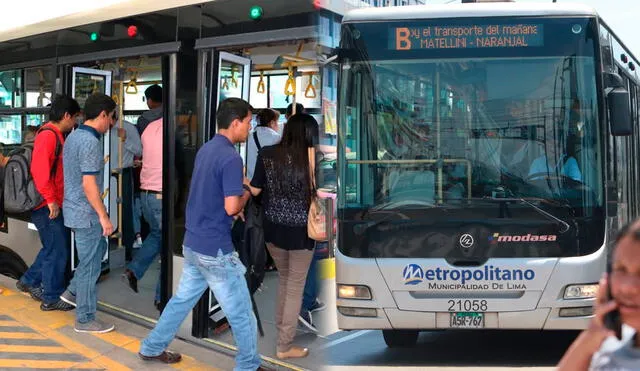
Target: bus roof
(81, 15)
(467, 10)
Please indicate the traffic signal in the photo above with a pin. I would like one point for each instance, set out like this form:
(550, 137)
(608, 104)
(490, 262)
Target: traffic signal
(256, 12)
(94, 36)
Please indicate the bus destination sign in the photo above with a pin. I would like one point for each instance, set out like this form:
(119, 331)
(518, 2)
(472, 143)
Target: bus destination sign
(466, 37)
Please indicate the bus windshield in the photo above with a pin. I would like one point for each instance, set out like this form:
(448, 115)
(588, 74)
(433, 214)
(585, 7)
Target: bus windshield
(469, 139)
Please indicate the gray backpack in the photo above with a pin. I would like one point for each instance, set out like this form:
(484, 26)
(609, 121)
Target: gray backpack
(20, 193)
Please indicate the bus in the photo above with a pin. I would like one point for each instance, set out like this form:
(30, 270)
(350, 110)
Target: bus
(486, 154)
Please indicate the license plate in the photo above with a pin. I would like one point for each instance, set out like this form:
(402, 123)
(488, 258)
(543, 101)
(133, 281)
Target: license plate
(466, 320)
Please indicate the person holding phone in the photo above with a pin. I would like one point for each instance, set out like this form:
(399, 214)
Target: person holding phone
(617, 303)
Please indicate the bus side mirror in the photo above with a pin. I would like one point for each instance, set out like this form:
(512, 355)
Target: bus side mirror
(618, 104)
(619, 112)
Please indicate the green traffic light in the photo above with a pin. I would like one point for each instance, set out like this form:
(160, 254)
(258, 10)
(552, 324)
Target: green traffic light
(255, 12)
(94, 36)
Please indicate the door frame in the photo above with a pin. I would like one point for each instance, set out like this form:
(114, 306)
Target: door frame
(106, 153)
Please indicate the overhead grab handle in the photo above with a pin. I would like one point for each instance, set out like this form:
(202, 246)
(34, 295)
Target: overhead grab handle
(290, 86)
(234, 82)
(310, 91)
(132, 85)
(261, 86)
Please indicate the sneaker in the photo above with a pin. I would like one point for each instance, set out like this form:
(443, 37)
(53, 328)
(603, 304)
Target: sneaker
(23, 287)
(68, 298)
(317, 306)
(305, 318)
(58, 305)
(36, 293)
(93, 327)
(131, 279)
(137, 243)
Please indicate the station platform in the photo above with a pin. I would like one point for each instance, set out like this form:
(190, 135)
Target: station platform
(31, 339)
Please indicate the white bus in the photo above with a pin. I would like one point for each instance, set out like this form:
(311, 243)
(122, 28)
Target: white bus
(486, 155)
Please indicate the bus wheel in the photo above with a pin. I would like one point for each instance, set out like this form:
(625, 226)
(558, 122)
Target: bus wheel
(400, 338)
(11, 266)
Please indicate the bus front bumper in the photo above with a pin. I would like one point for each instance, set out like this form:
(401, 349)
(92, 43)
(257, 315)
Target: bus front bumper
(392, 318)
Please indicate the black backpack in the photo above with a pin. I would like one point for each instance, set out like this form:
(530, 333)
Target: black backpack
(248, 240)
(20, 193)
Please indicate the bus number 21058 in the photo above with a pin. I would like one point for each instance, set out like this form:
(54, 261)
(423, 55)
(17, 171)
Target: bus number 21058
(467, 305)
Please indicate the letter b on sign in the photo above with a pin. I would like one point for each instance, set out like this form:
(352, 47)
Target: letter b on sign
(402, 38)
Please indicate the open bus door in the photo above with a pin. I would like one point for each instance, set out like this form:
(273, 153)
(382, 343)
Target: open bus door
(85, 82)
(233, 78)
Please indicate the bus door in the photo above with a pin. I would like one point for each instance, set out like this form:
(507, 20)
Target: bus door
(233, 78)
(85, 82)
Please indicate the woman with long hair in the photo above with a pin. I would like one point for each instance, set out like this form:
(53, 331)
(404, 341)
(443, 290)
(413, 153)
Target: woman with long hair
(282, 175)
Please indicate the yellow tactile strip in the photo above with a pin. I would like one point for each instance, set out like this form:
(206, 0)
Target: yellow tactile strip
(29, 339)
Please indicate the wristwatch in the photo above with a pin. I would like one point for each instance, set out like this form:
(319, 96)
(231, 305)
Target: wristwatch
(246, 187)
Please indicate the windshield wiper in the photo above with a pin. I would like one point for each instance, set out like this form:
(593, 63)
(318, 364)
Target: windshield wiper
(548, 215)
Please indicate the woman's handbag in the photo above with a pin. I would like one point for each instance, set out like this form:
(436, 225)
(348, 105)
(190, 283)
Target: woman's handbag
(317, 219)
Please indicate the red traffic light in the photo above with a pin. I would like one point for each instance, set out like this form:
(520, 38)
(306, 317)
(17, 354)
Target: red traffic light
(132, 31)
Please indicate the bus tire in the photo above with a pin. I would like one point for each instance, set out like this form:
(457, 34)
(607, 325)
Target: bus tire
(11, 265)
(400, 338)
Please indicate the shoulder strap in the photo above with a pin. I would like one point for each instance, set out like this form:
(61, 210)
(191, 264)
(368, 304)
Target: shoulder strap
(57, 150)
(312, 168)
(255, 138)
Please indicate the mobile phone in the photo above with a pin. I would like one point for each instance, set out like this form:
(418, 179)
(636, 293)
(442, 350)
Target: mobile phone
(612, 319)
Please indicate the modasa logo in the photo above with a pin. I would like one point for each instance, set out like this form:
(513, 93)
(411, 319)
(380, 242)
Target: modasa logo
(497, 237)
(413, 274)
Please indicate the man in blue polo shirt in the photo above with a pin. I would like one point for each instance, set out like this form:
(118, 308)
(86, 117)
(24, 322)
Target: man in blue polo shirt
(83, 209)
(218, 192)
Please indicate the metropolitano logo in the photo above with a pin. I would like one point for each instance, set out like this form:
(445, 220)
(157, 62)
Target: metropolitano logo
(413, 274)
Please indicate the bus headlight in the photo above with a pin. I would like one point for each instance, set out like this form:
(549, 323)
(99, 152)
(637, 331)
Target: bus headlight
(576, 312)
(354, 292)
(358, 312)
(580, 291)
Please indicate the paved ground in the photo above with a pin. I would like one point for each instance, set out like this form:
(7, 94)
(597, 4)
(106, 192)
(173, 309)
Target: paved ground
(32, 339)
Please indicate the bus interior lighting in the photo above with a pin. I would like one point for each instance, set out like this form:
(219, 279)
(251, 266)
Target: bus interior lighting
(576, 312)
(358, 312)
(354, 292)
(581, 291)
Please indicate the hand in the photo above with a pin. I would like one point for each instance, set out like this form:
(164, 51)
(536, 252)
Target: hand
(239, 215)
(122, 133)
(54, 210)
(597, 330)
(246, 181)
(107, 227)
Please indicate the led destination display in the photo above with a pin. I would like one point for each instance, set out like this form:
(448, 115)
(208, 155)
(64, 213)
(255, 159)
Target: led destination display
(466, 37)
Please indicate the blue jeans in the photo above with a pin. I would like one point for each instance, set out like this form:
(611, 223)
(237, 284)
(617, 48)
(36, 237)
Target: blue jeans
(49, 267)
(137, 213)
(142, 259)
(91, 246)
(224, 274)
(310, 293)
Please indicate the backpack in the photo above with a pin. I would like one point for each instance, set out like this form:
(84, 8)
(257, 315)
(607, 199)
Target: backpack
(20, 193)
(248, 238)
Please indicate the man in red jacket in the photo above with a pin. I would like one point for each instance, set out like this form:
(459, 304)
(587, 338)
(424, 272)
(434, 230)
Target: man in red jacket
(45, 279)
